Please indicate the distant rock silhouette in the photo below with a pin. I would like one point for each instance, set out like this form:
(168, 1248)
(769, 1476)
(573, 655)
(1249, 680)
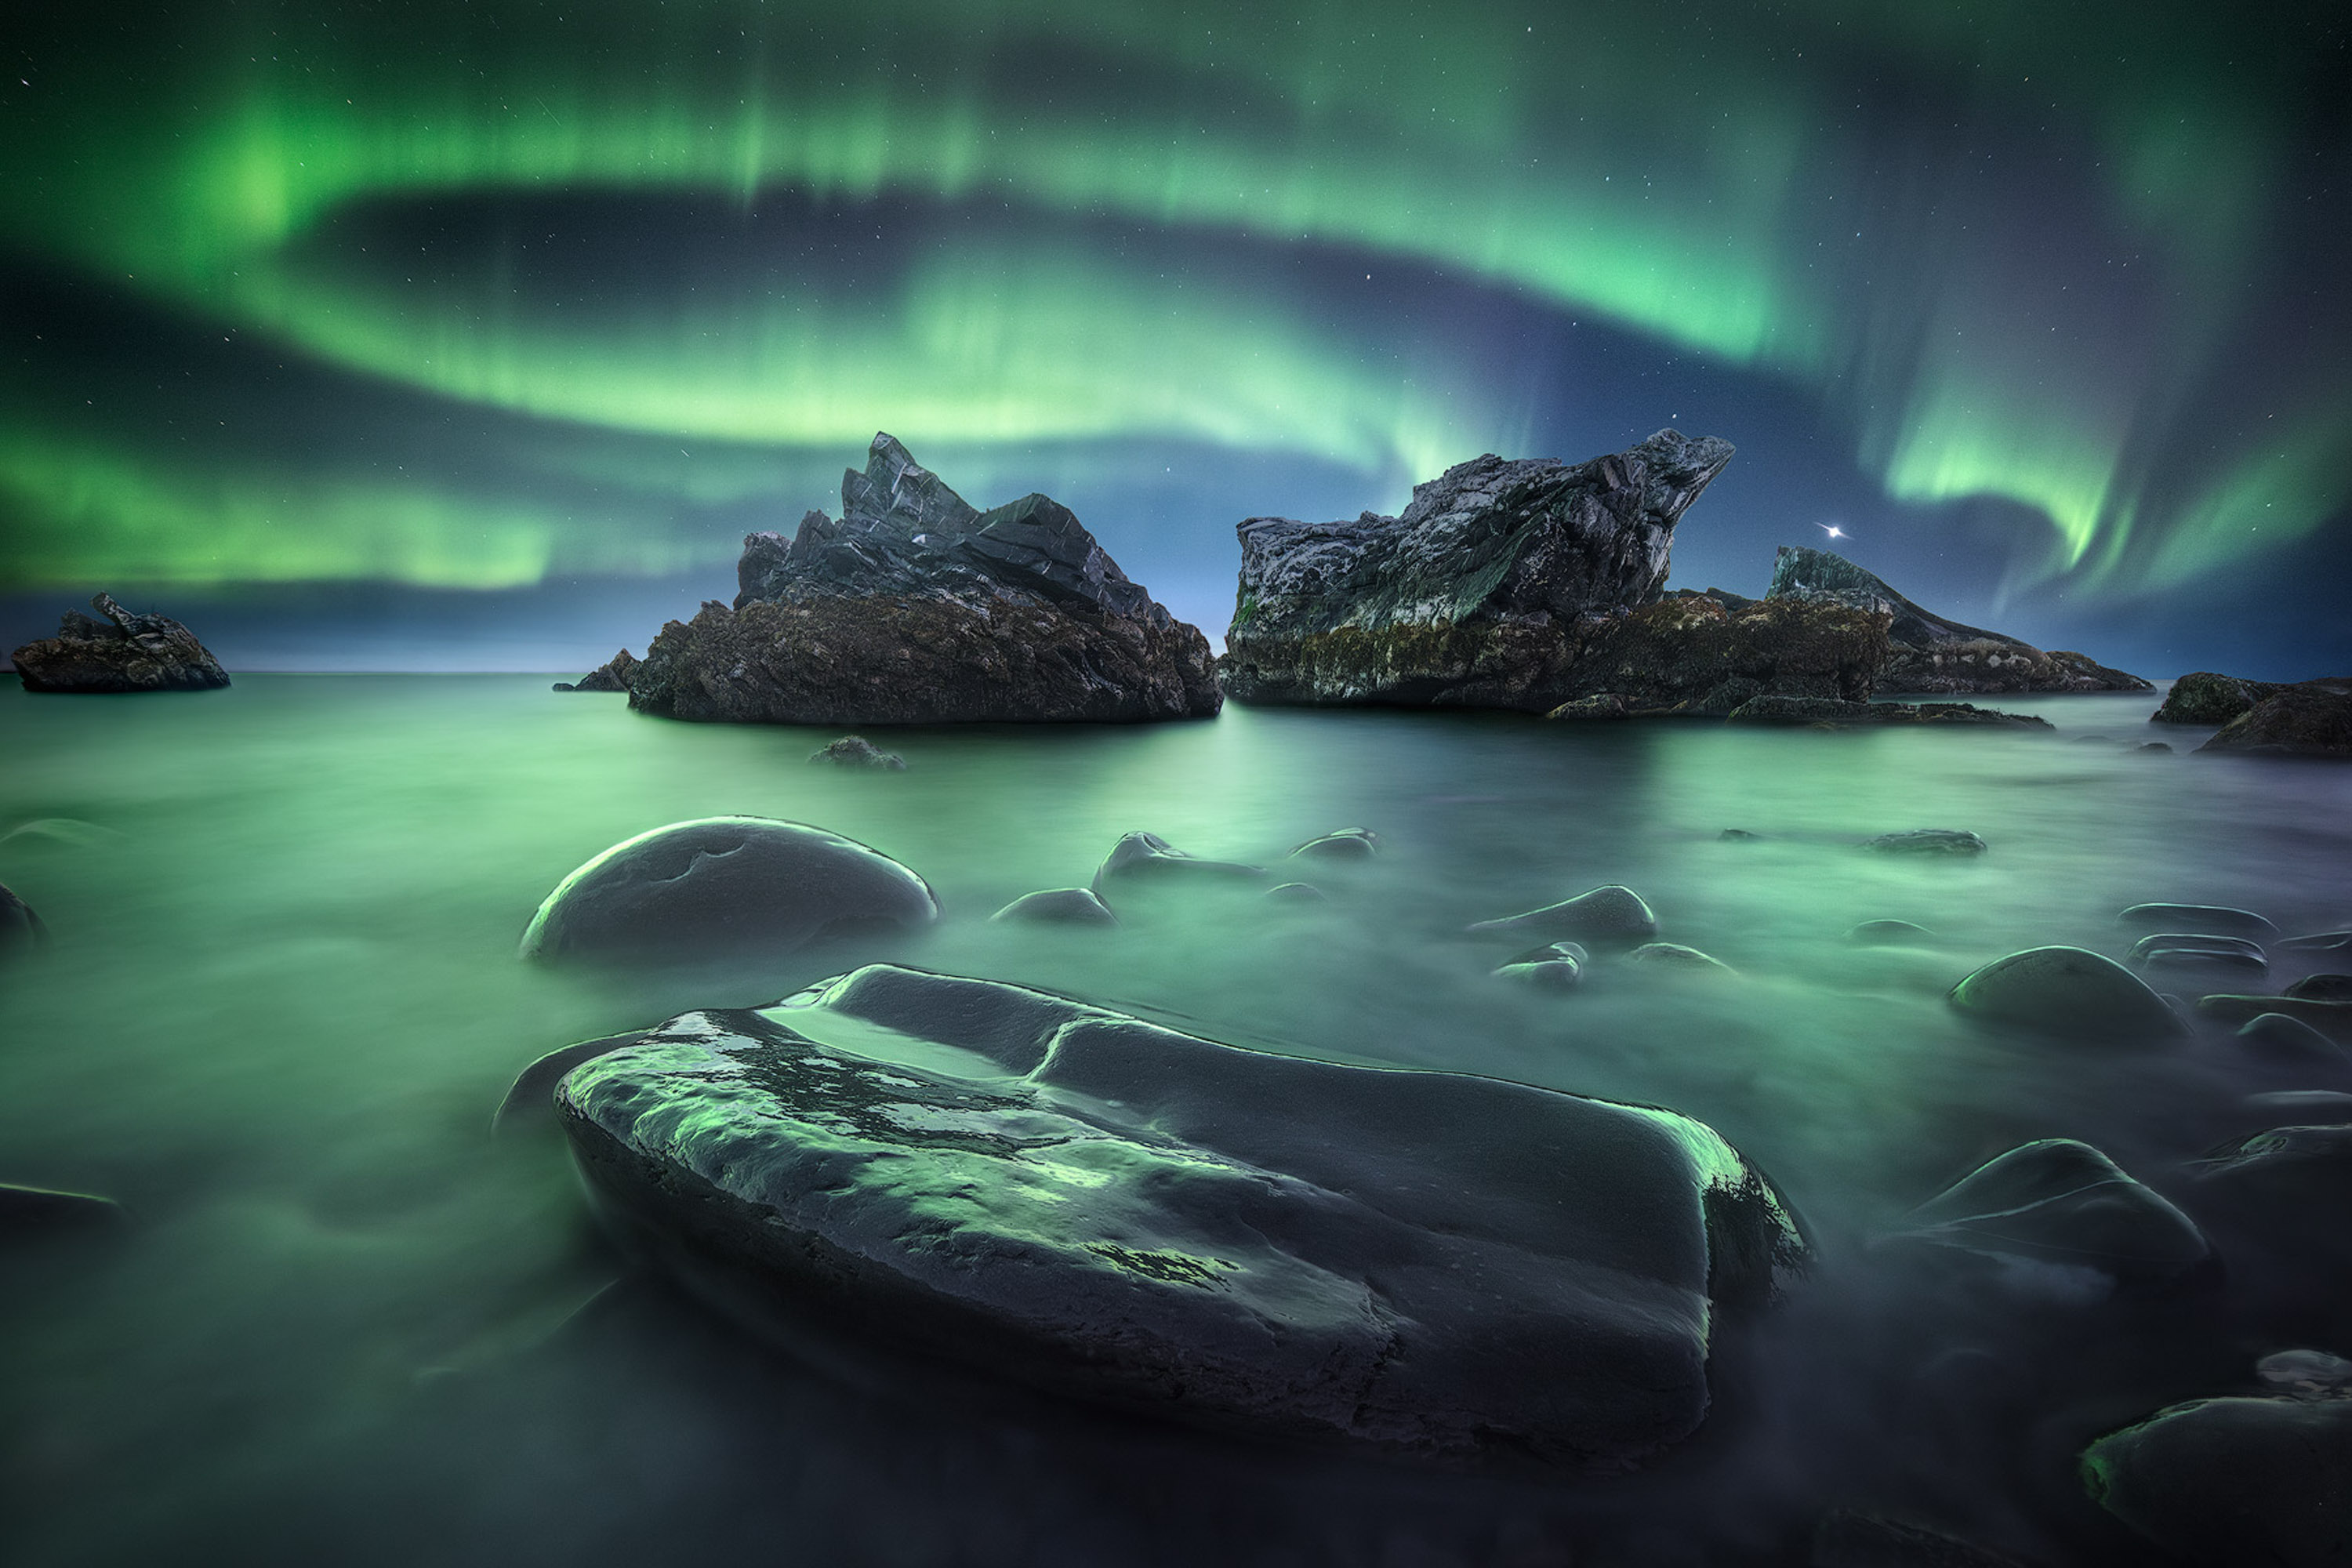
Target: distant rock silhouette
(125, 652)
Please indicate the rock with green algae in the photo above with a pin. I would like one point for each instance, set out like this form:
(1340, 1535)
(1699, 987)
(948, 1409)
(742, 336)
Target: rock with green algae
(1425, 1262)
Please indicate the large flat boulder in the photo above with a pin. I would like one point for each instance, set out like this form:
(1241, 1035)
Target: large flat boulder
(1427, 1263)
(124, 652)
(915, 607)
(2312, 719)
(1928, 652)
(1525, 584)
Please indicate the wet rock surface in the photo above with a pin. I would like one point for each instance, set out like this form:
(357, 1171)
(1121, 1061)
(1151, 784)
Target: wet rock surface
(613, 675)
(2067, 993)
(916, 608)
(721, 887)
(1927, 652)
(124, 652)
(2071, 1212)
(1530, 584)
(1081, 1200)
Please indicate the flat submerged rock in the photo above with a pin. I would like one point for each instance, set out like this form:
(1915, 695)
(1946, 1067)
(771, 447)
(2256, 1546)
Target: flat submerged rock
(1428, 1263)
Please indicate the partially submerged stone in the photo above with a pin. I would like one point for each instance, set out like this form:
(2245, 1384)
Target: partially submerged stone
(2235, 1480)
(1425, 1262)
(1557, 966)
(721, 886)
(2202, 956)
(124, 652)
(1148, 856)
(613, 675)
(1674, 956)
(2195, 941)
(1345, 843)
(1059, 906)
(2202, 918)
(1296, 893)
(2332, 1018)
(37, 1214)
(2068, 992)
(1930, 841)
(857, 751)
(2304, 1175)
(2289, 1042)
(2322, 988)
(2067, 1208)
(1611, 914)
(2310, 719)
(2319, 942)
(1887, 933)
(21, 930)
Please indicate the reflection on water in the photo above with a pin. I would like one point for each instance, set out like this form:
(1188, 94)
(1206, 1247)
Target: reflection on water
(281, 1001)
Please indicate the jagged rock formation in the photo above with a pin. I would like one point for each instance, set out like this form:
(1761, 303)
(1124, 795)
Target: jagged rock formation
(613, 675)
(1425, 1262)
(1927, 653)
(1527, 585)
(125, 652)
(915, 607)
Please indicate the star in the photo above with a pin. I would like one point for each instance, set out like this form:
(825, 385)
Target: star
(1832, 530)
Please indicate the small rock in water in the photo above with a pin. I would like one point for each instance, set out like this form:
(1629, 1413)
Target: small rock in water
(2067, 993)
(2332, 1018)
(1886, 933)
(1612, 913)
(1674, 956)
(1847, 1538)
(2318, 942)
(1347, 844)
(2235, 1480)
(1928, 841)
(34, 1213)
(1555, 969)
(1148, 855)
(857, 751)
(2323, 988)
(2197, 917)
(2066, 1207)
(2161, 957)
(20, 929)
(2156, 746)
(724, 887)
(1739, 836)
(2289, 1042)
(1297, 893)
(1555, 949)
(2195, 941)
(2304, 1175)
(1110, 1209)
(2306, 1375)
(1059, 906)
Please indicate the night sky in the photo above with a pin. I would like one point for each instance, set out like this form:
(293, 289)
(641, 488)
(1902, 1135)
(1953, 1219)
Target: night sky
(441, 336)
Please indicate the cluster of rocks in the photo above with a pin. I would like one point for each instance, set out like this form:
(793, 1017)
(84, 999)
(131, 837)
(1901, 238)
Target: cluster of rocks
(124, 652)
(2305, 718)
(1071, 1197)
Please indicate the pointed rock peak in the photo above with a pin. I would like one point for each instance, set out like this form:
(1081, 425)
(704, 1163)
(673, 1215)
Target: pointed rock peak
(1686, 461)
(899, 492)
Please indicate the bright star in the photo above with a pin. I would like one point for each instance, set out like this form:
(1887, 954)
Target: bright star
(1832, 530)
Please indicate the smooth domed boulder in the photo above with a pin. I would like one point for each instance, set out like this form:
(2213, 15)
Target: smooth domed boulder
(2322, 988)
(2213, 918)
(857, 751)
(1611, 914)
(37, 1213)
(2289, 1042)
(1674, 956)
(1138, 856)
(2069, 992)
(2303, 1173)
(2235, 1480)
(1425, 1262)
(1887, 933)
(1928, 841)
(2196, 941)
(724, 887)
(21, 930)
(2331, 1018)
(1345, 843)
(1059, 906)
(2068, 1209)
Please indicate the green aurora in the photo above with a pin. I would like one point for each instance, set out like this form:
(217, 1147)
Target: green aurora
(2007, 254)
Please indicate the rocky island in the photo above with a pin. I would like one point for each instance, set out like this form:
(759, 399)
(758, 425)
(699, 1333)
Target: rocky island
(124, 652)
(1527, 584)
(915, 607)
(1927, 652)
(2302, 718)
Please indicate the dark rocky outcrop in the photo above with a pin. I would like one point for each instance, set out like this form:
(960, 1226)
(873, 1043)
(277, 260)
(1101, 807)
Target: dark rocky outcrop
(2065, 1206)
(2202, 697)
(37, 1213)
(1423, 1263)
(21, 930)
(124, 652)
(699, 891)
(1927, 652)
(857, 751)
(2236, 1480)
(2067, 993)
(1772, 709)
(1525, 584)
(2313, 720)
(915, 607)
(613, 675)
